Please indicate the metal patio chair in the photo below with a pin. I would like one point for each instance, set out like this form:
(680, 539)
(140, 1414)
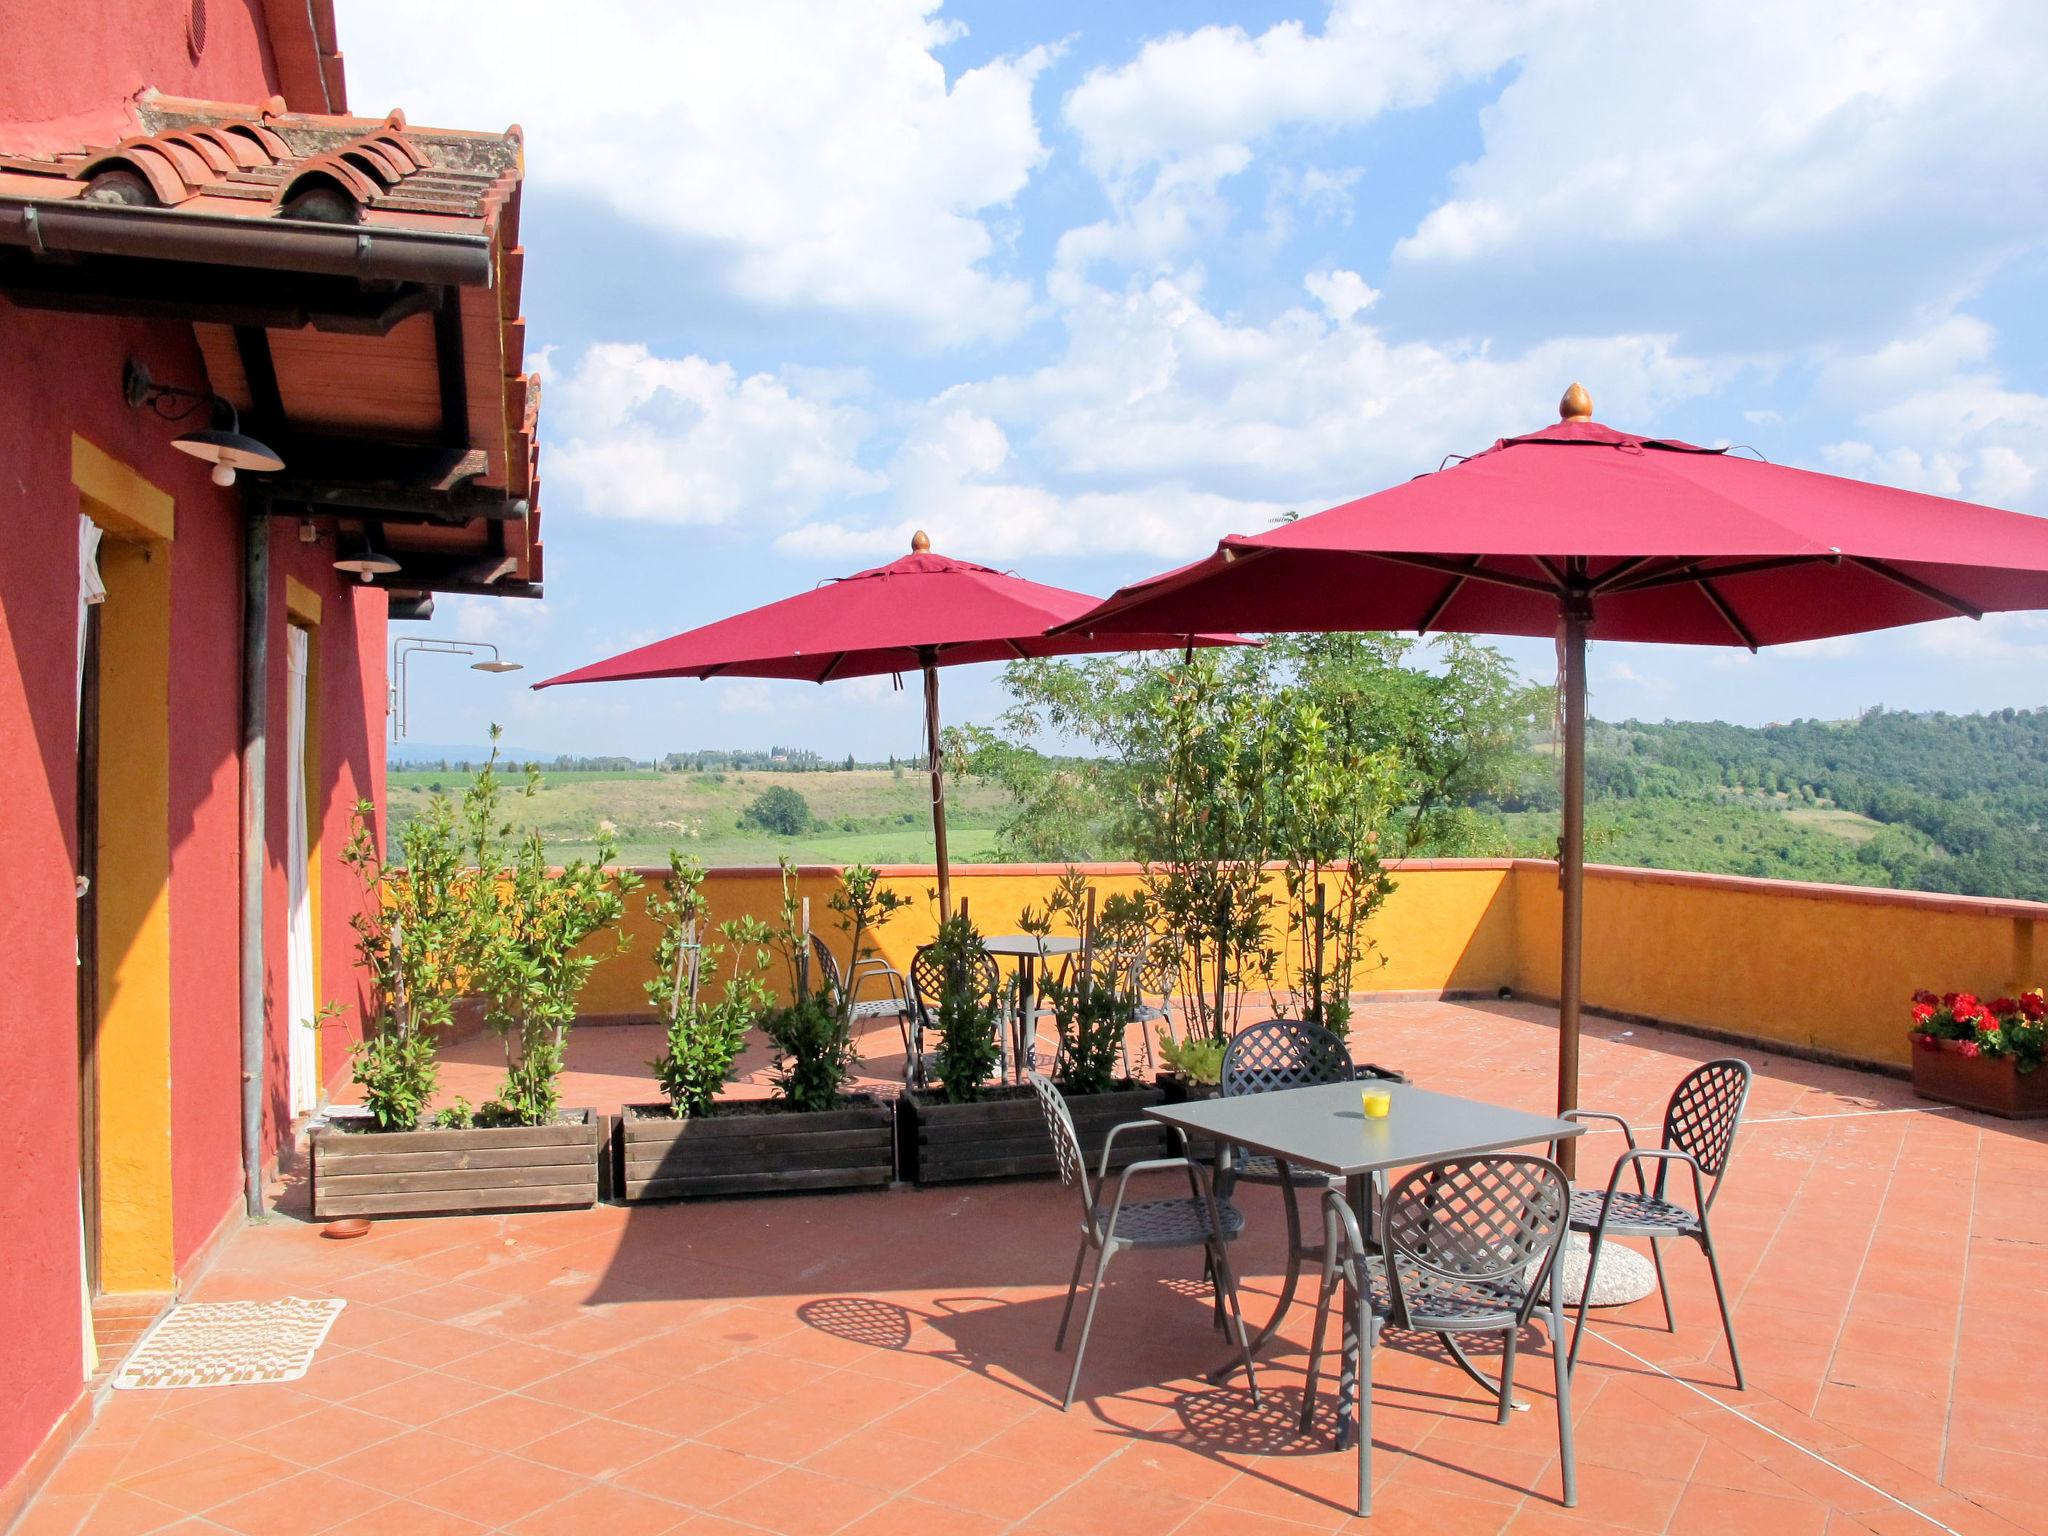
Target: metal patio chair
(1699, 1134)
(896, 1005)
(1465, 1246)
(1267, 1058)
(1147, 969)
(927, 985)
(1196, 1220)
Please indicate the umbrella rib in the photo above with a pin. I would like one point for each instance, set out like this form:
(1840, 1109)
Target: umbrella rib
(1454, 568)
(1615, 572)
(1443, 601)
(838, 661)
(1727, 612)
(1914, 584)
(1691, 572)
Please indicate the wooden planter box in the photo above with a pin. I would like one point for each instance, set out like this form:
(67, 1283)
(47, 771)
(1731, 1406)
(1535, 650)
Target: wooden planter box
(1993, 1084)
(748, 1149)
(1176, 1089)
(495, 1168)
(1005, 1134)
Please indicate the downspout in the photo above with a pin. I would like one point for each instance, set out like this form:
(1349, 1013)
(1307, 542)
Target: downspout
(255, 721)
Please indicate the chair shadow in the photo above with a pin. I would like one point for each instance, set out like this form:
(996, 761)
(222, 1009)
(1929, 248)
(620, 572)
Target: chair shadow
(1219, 1423)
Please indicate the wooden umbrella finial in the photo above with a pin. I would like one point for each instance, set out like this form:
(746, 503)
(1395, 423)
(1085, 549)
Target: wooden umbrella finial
(920, 542)
(1576, 405)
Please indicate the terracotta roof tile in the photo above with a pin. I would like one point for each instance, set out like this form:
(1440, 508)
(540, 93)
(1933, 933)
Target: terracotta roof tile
(257, 160)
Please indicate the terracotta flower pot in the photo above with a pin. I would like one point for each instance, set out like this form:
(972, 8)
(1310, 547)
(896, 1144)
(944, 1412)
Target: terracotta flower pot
(1993, 1084)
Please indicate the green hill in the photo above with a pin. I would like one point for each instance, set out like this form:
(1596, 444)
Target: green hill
(872, 814)
(1921, 801)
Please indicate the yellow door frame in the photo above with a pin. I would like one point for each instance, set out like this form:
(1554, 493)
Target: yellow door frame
(133, 881)
(303, 608)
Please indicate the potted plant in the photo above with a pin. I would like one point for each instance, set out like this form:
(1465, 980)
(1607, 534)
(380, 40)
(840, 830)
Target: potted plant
(812, 1134)
(1194, 1067)
(1982, 1055)
(455, 920)
(966, 1129)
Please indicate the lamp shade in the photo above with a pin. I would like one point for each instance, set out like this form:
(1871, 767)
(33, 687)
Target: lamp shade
(228, 451)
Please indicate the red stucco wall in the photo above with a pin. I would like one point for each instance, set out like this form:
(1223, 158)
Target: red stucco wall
(68, 64)
(39, 1349)
(79, 58)
(60, 374)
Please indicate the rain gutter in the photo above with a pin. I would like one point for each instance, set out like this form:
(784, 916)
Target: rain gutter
(378, 252)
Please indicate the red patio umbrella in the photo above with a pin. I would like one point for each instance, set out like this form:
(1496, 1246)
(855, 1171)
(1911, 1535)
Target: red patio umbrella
(922, 612)
(1581, 530)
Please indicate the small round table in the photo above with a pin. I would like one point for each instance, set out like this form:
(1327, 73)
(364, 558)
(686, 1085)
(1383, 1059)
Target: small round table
(1027, 949)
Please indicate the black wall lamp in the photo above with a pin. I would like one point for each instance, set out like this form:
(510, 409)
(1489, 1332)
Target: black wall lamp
(223, 444)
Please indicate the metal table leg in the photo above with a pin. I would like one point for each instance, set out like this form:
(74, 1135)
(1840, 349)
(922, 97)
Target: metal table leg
(1296, 1255)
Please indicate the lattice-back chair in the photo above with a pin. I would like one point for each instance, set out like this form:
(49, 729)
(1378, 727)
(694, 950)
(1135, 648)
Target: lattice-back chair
(1699, 1135)
(894, 1004)
(1466, 1246)
(1145, 969)
(1269, 1057)
(927, 986)
(1196, 1220)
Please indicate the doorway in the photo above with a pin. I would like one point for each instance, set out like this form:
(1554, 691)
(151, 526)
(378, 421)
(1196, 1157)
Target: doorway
(88, 854)
(124, 1000)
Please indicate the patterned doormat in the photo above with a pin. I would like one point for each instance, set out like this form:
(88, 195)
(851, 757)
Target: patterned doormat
(230, 1343)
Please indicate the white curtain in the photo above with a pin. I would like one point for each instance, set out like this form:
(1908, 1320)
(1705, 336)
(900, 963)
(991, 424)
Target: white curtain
(300, 1003)
(91, 590)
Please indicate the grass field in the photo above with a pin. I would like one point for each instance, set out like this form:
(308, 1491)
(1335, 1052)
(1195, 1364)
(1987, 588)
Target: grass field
(868, 815)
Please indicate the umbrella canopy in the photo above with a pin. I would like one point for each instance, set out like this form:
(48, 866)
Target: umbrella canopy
(921, 612)
(1582, 530)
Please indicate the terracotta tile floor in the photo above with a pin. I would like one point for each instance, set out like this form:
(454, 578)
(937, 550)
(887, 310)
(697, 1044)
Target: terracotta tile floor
(884, 1362)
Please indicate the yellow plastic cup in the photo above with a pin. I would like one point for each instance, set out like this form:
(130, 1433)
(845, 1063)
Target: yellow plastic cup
(1377, 1102)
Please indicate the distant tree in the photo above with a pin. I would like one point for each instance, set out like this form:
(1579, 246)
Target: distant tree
(780, 810)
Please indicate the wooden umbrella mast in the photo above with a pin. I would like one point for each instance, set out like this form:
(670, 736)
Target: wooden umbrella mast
(928, 656)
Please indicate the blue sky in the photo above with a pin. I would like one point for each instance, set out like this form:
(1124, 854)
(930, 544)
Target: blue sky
(1080, 288)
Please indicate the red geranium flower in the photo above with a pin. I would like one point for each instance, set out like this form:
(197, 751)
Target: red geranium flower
(1925, 996)
(1925, 1041)
(1987, 1024)
(2033, 1005)
(2004, 1005)
(1964, 1003)
(1948, 999)
(1922, 1012)
(1967, 1048)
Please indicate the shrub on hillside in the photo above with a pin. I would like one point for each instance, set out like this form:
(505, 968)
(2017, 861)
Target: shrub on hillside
(781, 810)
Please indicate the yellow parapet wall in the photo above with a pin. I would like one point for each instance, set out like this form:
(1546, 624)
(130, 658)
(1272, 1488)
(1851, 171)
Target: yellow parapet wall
(1447, 926)
(1817, 967)
(1821, 967)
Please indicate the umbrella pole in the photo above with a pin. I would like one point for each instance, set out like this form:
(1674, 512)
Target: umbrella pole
(938, 765)
(1571, 874)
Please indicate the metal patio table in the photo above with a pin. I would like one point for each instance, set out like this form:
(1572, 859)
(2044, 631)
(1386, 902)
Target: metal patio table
(1325, 1127)
(1027, 949)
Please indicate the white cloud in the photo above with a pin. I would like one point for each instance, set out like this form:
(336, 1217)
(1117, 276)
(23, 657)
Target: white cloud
(1342, 294)
(1166, 129)
(1935, 414)
(956, 479)
(1995, 637)
(1166, 424)
(1730, 156)
(814, 154)
(1652, 684)
(1219, 87)
(1301, 409)
(685, 440)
